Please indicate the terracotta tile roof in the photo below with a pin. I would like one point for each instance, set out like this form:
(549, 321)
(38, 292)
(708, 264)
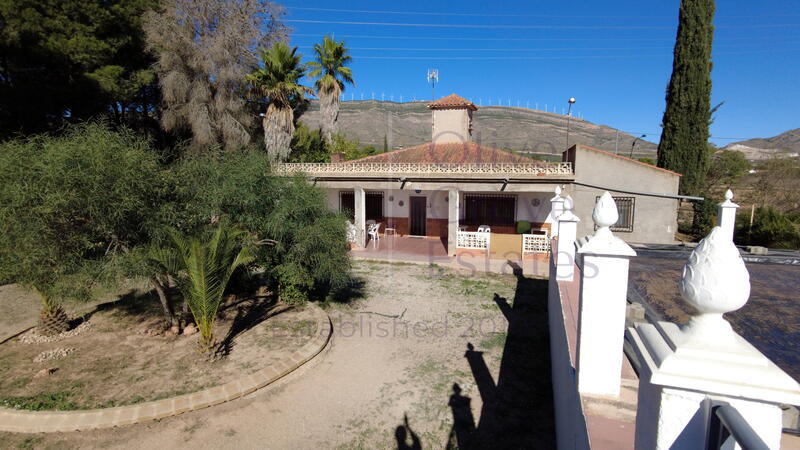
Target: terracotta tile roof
(451, 152)
(452, 101)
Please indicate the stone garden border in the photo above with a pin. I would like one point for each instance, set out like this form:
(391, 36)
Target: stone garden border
(21, 421)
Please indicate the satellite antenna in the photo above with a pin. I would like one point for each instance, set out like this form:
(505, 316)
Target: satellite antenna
(433, 78)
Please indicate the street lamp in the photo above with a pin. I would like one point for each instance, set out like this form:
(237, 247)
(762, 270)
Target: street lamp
(571, 101)
(634, 144)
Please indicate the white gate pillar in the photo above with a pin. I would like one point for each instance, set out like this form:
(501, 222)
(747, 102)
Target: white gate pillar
(556, 208)
(567, 224)
(726, 215)
(603, 261)
(688, 370)
(360, 218)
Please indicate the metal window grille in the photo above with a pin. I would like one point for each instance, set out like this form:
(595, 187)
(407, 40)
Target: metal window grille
(625, 207)
(490, 209)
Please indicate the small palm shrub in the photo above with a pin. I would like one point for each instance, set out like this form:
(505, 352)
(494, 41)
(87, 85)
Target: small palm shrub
(202, 269)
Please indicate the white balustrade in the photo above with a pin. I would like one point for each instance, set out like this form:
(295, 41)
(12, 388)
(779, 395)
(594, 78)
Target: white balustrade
(473, 240)
(556, 168)
(535, 243)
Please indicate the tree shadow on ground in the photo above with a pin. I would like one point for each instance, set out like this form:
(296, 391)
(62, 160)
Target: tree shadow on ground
(249, 313)
(353, 289)
(135, 302)
(517, 410)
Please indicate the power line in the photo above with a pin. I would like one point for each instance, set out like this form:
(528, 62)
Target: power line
(528, 49)
(483, 58)
(528, 27)
(455, 14)
(441, 38)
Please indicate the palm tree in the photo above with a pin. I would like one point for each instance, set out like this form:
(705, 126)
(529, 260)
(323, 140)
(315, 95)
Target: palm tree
(202, 271)
(278, 82)
(331, 74)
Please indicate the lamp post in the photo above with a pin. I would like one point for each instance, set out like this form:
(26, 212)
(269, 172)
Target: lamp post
(634, 144)
(571, 101)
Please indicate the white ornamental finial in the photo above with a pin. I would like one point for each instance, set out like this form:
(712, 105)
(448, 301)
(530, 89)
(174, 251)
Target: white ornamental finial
(605, 214)
(728, 195)
(557, 190)
(569, 204)
(715, 281)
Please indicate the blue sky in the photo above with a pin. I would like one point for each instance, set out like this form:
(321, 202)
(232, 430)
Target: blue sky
(614, 57)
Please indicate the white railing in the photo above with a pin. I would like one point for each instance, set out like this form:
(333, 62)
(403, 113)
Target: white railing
(556, 168)
(535, 243)
(473, 240)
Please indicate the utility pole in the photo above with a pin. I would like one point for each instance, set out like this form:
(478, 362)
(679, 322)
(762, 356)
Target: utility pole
(616, 145)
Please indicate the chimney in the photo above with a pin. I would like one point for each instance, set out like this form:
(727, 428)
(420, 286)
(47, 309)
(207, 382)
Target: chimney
(451, 119)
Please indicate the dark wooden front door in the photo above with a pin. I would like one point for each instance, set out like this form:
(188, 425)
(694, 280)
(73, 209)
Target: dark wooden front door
(417, 216)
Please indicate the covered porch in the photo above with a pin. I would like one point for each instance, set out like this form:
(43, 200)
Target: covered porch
(512, 222)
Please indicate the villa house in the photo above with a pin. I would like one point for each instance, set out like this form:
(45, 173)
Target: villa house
(448, 188)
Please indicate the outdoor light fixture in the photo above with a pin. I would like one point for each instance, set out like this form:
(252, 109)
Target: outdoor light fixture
(417, 191)
(571, 101)
(391, 198)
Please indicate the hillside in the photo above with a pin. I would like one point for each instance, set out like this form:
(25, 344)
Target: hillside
(787, 143)
(536, 132)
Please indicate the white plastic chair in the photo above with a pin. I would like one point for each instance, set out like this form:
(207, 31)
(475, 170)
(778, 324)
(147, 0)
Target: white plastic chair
(374, 233)
(484, 229)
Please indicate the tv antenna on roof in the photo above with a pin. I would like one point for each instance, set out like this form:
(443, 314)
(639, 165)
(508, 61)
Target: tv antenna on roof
(433, 78)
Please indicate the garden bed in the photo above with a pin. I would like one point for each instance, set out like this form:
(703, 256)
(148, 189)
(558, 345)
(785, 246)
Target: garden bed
(120, 354)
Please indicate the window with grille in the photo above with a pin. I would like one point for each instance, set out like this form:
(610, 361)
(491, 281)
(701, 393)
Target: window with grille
(373, 205)
(625, 207)
(489, 209)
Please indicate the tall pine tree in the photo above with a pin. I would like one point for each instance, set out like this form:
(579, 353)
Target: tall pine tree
(684, 138)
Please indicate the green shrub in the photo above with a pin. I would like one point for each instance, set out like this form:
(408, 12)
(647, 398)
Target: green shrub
(523, 226)
(309, 254)
(58, 401)
(68, 202)
(771, 228)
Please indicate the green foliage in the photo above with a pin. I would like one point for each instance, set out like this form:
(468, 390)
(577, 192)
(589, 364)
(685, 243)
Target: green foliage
(726, 168)
(351, 148)
(67, 203)
(330, 66)
(684, 138)
(278, 81)
(73, 59)
(771, 228)
(308, 146)
(310, 254)
(705, 217)
(58, 401)
(202, 269)
(647, 161)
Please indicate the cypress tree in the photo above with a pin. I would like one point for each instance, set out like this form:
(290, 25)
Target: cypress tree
(684, 137)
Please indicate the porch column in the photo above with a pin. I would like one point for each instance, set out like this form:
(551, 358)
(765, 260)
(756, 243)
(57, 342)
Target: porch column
(360, 216)
(603, 262)
(726, 215)
(556, 208)
(453, 210)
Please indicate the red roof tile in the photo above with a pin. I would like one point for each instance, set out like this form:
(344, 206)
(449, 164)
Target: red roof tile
(451, 152)
(452, 101)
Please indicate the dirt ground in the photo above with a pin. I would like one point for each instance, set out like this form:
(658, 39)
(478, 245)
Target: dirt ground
(426, 358)
(770, 319)
(112, 362)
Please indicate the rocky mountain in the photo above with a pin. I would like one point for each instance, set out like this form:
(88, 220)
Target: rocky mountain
(786, 144)
(538, 133)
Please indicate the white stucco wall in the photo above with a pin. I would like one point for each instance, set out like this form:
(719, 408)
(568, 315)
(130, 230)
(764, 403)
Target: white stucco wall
(655, 220)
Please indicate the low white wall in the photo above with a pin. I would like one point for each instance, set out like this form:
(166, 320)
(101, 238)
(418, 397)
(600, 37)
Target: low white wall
(571, 430)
